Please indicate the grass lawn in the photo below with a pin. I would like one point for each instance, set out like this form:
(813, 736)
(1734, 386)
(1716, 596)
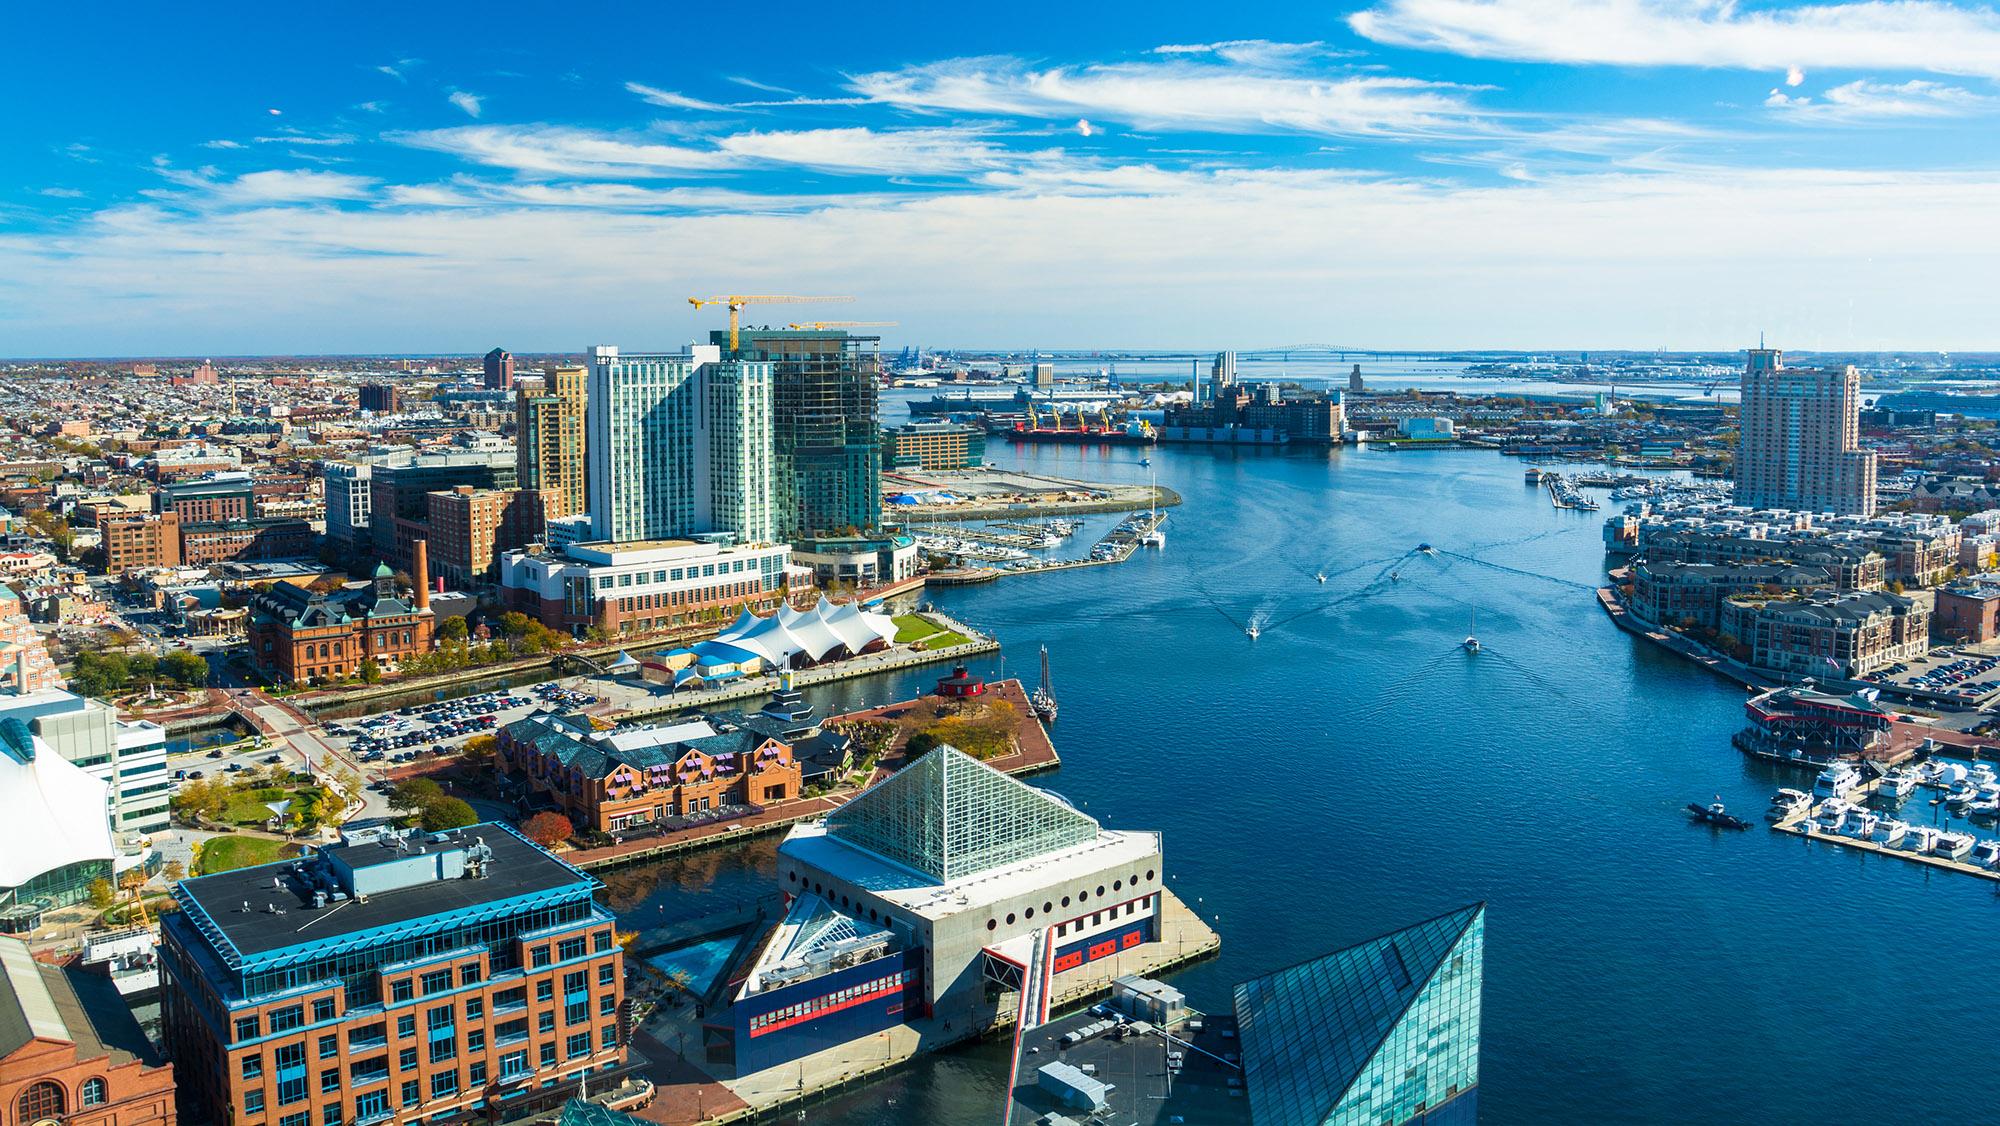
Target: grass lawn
(916, 627)
(220, 854)
(249, 807)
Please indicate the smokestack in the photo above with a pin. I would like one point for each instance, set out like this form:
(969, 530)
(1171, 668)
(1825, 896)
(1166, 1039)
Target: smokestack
(422, 551)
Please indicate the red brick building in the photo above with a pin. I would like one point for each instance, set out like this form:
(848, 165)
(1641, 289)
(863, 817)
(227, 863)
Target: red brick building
(140, 539)
(470, 527)
(614, 781)
(237, 541)
(70, 1051)
(299, 635)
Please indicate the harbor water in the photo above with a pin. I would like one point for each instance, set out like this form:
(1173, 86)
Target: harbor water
(1353, 770)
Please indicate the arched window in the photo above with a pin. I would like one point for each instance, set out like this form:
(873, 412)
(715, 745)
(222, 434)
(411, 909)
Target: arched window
(42, 1100)
(92, 1092)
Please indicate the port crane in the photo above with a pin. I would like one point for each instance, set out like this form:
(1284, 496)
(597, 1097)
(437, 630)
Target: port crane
(736, 302)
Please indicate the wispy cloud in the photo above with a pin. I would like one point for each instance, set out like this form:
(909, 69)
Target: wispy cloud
(1910, 35)
(470, 103)
(556, 150)
(1866, 100)
(1178, 94)
(1250, 52)
(273, 186)
(888, 152)
(223, 143)
(299, 137)
(654, 96)
(546, 150)
(62, 193)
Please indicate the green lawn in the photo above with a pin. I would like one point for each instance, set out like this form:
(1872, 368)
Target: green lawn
(220, 854)
(250, 807)
(916, 627)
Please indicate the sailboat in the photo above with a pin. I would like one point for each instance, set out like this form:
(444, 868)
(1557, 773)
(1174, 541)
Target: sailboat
(1471, 642)
(1155, 537)
(1043, 699)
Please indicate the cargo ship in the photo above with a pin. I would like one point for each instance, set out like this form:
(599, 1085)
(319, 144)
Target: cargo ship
(1103, 432)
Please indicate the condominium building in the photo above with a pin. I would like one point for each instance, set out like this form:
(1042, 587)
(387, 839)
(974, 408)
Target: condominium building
(826, 443)
(236, 540)
(1838, 637)
(348, 495)
(128, 756)
(214, 498)
(139, 539)
(395, 977)
(399, 491)
(549, 443)
(1800, 445)
(497, 370)
(679, 445)
(381, 398)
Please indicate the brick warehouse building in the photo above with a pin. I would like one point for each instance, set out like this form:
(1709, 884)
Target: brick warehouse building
(298, 634)
(395, 977)
(70, 1051)
(613, 781)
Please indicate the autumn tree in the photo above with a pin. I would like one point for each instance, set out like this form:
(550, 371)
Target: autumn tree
(548, 829)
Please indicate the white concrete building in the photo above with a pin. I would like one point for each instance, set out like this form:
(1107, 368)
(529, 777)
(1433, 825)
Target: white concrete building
(347, 502)
(640, 586)
(129, 756)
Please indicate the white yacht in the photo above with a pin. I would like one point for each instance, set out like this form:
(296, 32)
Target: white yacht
(1981, 774)
(1891, 831)
(1252, 631)
(1953, 846)
(1962, 794)
(1832, 814)
(1921, 838)
(1898, 783)
(1787, 804)
(1836, 781)
(1986, 853)
(1945, 775)
(1861, 825)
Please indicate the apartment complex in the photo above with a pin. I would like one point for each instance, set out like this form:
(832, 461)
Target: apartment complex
(399, 491)
(139, 539)
(497, 370)
(1693, 593)
(1800, 445)
(215, 498)
(395, 977)
(381, 398)
(826, 444)
(241, 540)
(680, 445)
(1841, 636)
(469, 528)
(549, 441)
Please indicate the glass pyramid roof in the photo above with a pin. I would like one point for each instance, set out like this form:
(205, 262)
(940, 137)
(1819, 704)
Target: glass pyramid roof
(1383, 1032)
(949, 815)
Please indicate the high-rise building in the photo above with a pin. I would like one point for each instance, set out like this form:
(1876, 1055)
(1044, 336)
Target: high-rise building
(1221, 374)
(825, 440)
(549, 442)
(140, 539)
(469, 528)
(209, 499)
(396, 977)
(1383, 1032)
(399, 489)
(498, 370)
(1800, 444)
(379, 397)
(679, 445)
(347, 503)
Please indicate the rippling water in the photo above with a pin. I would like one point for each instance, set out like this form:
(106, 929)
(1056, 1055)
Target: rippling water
(1353, 771)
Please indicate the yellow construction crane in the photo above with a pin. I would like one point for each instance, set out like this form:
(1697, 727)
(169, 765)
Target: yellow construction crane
(818, 326)
(736, 301)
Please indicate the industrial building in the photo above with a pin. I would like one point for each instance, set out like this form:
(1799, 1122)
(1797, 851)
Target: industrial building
(395, 977)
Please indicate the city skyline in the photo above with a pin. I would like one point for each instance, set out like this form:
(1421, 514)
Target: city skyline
(1407, 173)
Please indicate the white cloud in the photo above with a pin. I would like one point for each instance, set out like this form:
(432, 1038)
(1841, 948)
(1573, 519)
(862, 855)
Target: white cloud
(671, 100)
(466, 191)
(391, 72)
(207, 187)
(1794, 76)
(556, 150)
(62, 193)
(1249, 52)
(275, 112)
(222, 144)
(1914, 35)
(1084, 127)
(1869, 100)
(548, 150)
(1178, 94)
(1139, 255)
(467, 102)
(295, 137)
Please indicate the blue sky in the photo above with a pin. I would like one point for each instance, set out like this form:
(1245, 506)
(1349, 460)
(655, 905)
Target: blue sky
(235, 179)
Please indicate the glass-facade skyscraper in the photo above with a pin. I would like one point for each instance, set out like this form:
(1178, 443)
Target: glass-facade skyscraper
(679, 445)
(1386, 1032)
(826, 440)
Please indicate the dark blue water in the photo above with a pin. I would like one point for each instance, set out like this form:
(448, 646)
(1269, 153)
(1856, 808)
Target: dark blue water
(1353, 771)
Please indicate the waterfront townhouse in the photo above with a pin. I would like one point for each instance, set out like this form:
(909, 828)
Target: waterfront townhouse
(615, 781)
(1842, 636)
(395, 977)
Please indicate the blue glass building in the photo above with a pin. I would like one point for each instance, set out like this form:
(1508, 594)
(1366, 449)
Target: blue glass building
(1380, 1034)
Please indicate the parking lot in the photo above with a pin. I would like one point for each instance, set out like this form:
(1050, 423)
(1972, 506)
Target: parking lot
(411, 733)
(1948, 676)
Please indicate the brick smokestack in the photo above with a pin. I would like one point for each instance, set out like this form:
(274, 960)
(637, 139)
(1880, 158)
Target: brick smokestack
(421, 549)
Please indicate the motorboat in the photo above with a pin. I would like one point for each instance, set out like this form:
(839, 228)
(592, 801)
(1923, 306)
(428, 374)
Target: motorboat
(1890, 832)
(1861, 825)
(1921, 838)
(1252, 631)
(1831, 815)
(1787, 804)
(1714, 814)
(1986, 853)
(1427, 549)
(1981, 774)
(1947, 775)
(1836, 781)
(1965, 793)
(1953, 846)
(1898, 783)
(1320, 575)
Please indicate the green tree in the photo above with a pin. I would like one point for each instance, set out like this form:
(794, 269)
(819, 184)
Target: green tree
(370, 672)
(413, 795)
(102, 894)
(447, 813)
(189, 670)
(453, 629)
